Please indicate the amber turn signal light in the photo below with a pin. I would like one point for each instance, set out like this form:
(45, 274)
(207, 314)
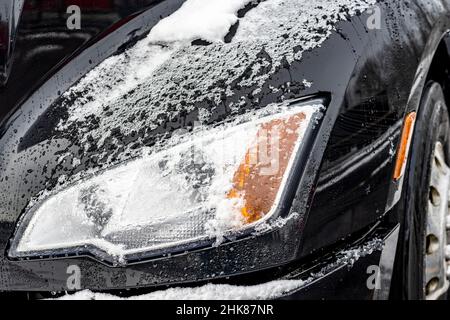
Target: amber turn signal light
(405, 143)
(255, 186)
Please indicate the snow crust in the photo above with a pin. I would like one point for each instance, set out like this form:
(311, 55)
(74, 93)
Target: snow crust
(208, 20)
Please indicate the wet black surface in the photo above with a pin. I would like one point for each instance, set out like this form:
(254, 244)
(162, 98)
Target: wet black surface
(371, 78)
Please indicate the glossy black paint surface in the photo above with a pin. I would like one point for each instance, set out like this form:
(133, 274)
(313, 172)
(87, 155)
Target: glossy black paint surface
(44, 43)
(372, 78)
(355, 184)
(10, 12)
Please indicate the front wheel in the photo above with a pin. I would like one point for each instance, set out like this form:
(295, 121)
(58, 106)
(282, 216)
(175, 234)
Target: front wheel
(424, 251)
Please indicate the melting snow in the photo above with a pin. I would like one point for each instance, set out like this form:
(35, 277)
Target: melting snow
(134, 93)
(269, 290)
(198, 19)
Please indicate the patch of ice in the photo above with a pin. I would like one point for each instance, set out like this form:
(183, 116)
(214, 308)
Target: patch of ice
(307, 84)
(276, 224)
(350, 256)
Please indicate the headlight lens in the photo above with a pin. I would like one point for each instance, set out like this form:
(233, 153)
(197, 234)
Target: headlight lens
(199, 186)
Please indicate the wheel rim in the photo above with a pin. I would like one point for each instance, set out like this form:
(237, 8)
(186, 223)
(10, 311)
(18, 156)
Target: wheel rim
(437, 235)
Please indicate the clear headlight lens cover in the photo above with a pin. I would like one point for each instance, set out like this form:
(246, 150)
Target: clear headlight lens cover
(200, 185)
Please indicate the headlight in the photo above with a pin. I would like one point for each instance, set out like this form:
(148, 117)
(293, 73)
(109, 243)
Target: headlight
(198, 187)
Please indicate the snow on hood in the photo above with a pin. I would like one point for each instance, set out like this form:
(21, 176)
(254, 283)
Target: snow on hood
(129, 98)
(198, 19)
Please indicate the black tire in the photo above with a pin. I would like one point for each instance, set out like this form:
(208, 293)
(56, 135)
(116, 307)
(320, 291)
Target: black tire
(432, 125)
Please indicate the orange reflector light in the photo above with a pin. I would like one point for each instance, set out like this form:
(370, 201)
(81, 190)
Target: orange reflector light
(258, 179)
(402, 156)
